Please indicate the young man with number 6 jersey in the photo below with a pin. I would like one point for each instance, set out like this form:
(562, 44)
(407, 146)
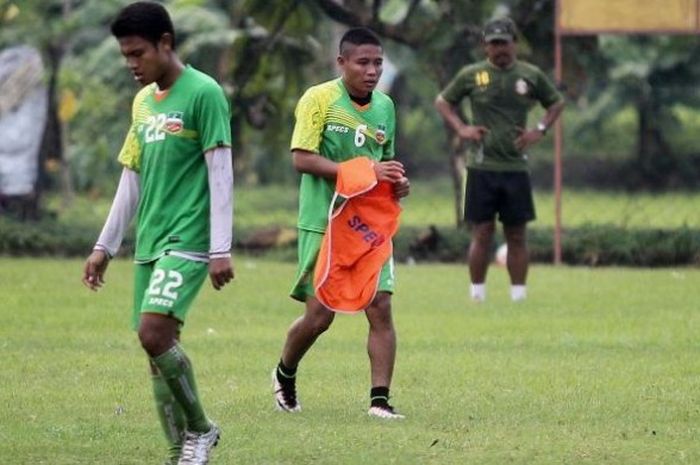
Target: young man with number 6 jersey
(337, 121)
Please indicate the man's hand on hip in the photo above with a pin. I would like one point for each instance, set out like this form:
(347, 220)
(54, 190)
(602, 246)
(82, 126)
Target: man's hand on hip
(472, 133)
(527, 138)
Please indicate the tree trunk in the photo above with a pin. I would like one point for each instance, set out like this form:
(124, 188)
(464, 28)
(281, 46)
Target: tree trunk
(653, 152)
(52, 142)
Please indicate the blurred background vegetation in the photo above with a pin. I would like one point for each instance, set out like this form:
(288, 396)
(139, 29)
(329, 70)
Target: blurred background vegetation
(630, 124)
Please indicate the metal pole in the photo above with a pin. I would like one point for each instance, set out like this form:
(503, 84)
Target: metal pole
(557, 140)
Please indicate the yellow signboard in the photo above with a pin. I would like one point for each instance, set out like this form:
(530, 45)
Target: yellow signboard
(628, 16)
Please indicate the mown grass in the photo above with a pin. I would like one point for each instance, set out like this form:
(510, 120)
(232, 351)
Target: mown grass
(431, 202)
(599, 366)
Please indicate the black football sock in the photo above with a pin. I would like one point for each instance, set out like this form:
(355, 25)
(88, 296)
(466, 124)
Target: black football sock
(379, 396)
(284, 373)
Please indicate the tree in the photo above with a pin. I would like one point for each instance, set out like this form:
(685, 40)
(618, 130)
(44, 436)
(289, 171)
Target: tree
(52, 27)
(246, 45)
(653, 75)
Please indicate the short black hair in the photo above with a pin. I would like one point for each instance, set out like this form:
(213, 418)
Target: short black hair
(148, 20)
(359, 36)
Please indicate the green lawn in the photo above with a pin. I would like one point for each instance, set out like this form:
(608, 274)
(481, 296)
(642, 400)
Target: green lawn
(599, 366)
(431, 203)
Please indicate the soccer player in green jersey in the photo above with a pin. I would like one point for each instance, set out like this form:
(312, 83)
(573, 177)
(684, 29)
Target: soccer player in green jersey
(336, 121)
(501, 90)
(177, 179)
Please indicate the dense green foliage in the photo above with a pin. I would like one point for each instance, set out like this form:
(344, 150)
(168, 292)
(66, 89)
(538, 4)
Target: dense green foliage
(632, 101)
(598, 367)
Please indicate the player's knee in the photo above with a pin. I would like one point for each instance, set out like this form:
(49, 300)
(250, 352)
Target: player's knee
(322, 322)
(516, 239)
(379, 313)
(154, 342)
(382, 304)
(483, 233)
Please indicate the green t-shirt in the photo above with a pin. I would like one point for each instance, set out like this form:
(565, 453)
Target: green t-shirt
(329, 123)
(166, 145)
(500, 100)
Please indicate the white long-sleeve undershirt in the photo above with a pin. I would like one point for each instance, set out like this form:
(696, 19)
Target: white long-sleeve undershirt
(124, 205)
(220, 169)
(220, 173)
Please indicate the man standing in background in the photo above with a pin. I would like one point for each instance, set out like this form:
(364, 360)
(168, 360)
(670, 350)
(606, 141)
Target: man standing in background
(501, 90)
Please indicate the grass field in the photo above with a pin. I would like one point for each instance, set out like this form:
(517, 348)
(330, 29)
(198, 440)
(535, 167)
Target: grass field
(599, 366)
(431, 202)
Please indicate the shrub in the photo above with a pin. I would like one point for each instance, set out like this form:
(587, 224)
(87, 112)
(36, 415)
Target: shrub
(587, 245)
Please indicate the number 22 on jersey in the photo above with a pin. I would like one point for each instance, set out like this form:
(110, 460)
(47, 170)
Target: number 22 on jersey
(154, 128)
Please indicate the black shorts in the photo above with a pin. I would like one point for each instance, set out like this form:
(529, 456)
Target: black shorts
(507, 193)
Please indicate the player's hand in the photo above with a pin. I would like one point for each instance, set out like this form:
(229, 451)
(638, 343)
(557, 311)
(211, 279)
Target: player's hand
(220, 272)
(526, 139)
(391, 171)
(402, 188)
(473, 133)
(94, 270)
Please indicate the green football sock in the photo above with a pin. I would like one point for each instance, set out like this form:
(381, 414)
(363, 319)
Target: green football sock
(177, 372)
(172, 418)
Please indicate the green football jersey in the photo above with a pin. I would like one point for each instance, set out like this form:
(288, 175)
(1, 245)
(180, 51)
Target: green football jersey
(329, 123)
(500, 100)
(165, 144)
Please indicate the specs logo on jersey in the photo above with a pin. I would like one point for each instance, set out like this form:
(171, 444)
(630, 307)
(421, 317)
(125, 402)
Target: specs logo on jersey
(174, 122)
(380, 134)
(482, 78)
(337, 128)
(521, 87)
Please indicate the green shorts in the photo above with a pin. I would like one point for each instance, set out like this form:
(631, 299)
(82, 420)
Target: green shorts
(167, 286)
(309, 244)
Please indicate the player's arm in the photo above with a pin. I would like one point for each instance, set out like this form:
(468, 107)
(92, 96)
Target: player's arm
(447, 102)
(220, 172)
(552, 114)
(549, 97)
(317, 165)
(120, 215)
(449, 114)
(530, 137)
(305, 161)
(402, 187)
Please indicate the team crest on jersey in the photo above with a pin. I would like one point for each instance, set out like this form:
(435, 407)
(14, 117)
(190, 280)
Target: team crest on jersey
(380, 135)
(174, 122)
(521, 87)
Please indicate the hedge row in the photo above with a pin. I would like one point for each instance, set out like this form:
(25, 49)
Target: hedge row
(588, 245)
(46, 237)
